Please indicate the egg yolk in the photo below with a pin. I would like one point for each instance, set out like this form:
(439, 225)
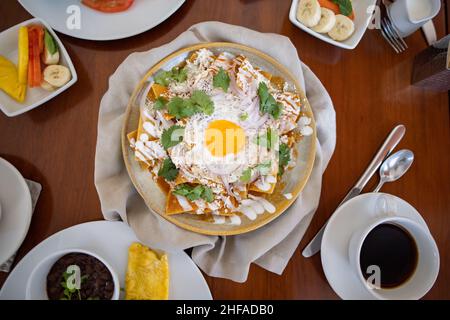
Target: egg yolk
(223, 137)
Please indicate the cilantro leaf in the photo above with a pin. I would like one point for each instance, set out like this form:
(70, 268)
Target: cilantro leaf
(221, 80)
(168, 170)
(284, 156)
(183, 108)
(243, 116)
(207, 194)
(268, 140)
(264, 168)
(172, 136)
(246, 175)
(267, 103)
(202, 102)
(177, 74)
(179, 108)
(345, 6)
(194, 193)
(160, 103)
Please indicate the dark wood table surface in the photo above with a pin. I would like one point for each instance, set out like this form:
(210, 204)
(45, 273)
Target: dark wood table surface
(370, 87)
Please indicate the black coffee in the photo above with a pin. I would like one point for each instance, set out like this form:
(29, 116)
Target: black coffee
(393, 250)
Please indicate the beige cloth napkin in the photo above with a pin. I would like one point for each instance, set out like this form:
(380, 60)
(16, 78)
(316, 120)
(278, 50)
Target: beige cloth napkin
(230, 257)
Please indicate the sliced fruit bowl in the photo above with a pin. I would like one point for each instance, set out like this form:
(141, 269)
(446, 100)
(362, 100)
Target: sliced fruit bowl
(35, 67)
(347, 32)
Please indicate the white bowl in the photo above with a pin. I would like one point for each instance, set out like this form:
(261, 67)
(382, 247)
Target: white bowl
(36, 288)
(35, 96)
(362, 19)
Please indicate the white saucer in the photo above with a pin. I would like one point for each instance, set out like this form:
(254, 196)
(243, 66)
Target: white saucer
(109, 240)
(143, 15)
(15, 219)
(352, 216)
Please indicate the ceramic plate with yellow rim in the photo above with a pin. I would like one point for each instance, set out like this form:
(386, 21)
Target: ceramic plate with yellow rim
(258, 193)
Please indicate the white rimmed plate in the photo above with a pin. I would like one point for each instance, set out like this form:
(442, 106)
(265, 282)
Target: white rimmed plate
(363, 15)
(352, 216)
(143, 15)
(35, 96)
(110, 240)
(15, 219)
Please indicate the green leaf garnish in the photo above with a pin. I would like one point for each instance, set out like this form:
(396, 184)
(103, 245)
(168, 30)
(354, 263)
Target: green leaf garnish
(246, 175)
(177, 74)
(264, 168)
(267, 103)
(194, 193)
(202, 102)
(268, 140)
(221, 80)
(199, 102)
(160, 103)
(345, 7)
(168, 170)
(172, 136)
(243, 116)
(284, 156)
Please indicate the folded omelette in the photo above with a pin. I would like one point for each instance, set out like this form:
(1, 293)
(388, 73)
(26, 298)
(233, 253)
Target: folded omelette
(147, 275)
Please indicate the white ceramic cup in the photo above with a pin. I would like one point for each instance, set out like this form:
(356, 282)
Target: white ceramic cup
(410, 15)
(427, 268)
(36, 288)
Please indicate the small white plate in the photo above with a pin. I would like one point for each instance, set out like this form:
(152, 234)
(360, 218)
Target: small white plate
(143, 15)
(35, 96)
(351, 216)
(15, 200)
(362, 20)
(110, 240)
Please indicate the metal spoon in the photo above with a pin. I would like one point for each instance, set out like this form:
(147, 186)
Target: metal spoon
(394, 167)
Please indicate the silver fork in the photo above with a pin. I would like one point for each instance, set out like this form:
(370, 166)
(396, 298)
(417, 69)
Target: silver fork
(391, 35)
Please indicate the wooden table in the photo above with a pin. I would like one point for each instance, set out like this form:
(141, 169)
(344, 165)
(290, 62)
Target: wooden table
(370, 86)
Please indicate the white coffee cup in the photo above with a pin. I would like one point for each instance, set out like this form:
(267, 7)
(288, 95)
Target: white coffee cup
(410, 15)
(427, 268)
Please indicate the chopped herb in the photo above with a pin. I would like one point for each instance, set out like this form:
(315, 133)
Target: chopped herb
(202, 102)
(221, 80)
(345, 7)
(246, 175)
(267, 103)
(168, 170)
(160, 103)
(199, 102)
(243, 116)
(177, 74)
(268, 140)
(194, 193)
(264, 168)
(172, 136)
(284, 156)
(179, 108)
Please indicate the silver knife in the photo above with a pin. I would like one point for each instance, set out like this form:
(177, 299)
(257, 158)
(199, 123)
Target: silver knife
(389, 144)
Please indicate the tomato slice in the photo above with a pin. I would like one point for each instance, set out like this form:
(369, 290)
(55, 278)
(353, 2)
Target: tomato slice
(108, 6)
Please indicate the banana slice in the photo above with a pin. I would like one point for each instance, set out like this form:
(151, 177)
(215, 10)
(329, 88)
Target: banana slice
(327, 21)
(57, 75)
(308, 12)
(47, 86)
(343, 28)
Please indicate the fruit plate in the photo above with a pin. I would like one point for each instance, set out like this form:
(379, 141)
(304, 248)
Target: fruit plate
(363, 14)
(292, 182)
(95, 25)
(35, 96)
